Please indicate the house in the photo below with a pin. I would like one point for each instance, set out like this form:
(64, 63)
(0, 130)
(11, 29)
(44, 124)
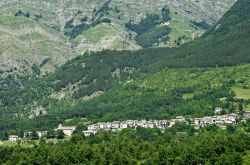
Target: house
(93, 127)
(27, 134)
(102, 125)
(162, 123)
(218, 110)
(142, 123)
(131, 123)
(246, 115)
(108, 126)
(115, 125)
(150, 124)
(14, 138)
(123, 125)
(67, 130)
(41, 133)
(232, 118)
(89, 132)
(197, 121)
(206, 121)
(180, 119)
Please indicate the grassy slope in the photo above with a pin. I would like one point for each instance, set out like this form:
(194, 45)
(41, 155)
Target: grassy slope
(26, 42)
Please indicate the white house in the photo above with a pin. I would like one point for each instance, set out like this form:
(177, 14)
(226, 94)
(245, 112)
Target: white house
(14, 138)
(150, 124)
(102, 125)
(89, 132)
(180, 119)
(123, 125)
(41, 133)
(162, 123)
(142, 123)
(218, 110)
(197, 121)
(67, 130)
(93, 127)
(246, 115)
(115, 125)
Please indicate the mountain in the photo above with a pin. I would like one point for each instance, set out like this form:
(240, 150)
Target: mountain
(224, 44)
(43, 35)
(154, 105)
(186, 16)
(26, 43)
(148, 83)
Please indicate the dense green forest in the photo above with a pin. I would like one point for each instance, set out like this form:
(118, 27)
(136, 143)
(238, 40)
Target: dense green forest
(180, 144)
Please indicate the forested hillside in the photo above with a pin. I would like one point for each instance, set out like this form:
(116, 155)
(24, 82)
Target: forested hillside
(112, 85)
(188, 103)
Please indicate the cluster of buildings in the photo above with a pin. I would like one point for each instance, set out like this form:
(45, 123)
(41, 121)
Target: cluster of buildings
(119, 125)
(220, 120)
(67, 130)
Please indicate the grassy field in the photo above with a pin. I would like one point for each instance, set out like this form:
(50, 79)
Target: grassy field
(96, 33)
(247, 108)
(180, 26)
(28, 143)
(242, 93)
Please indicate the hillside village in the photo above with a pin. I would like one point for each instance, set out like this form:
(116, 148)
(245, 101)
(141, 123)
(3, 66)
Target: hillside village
(220, 120)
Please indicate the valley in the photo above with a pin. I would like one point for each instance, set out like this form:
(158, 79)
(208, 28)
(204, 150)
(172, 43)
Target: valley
(114, 82)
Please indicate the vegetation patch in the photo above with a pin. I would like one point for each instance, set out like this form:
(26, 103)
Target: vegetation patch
(188, 96)
(96, 33)
(149, 31)
(241, 93)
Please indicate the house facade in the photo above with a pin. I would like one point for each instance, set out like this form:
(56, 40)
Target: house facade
(67, 130)
(14, 138)
(41, 133)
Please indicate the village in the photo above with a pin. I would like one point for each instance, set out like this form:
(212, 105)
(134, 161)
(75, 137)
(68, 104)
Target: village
(116, 126)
